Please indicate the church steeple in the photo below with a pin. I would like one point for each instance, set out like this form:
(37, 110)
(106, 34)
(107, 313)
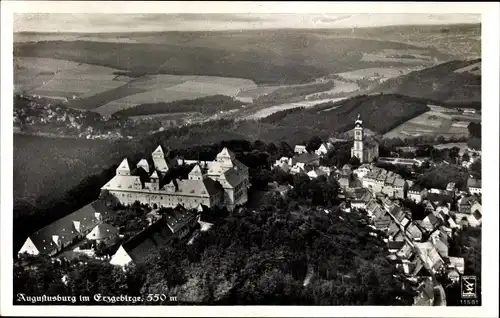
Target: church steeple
(358, 121)
(357, 149)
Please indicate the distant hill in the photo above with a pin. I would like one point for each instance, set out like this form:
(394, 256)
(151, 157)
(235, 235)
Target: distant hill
(265, 56)
(455, 83)
(380, 113)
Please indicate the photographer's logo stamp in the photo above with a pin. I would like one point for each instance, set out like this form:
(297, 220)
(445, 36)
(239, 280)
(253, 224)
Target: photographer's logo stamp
(469, 287)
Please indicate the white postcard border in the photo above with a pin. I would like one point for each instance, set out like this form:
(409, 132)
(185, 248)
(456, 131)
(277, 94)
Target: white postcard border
(490, 150)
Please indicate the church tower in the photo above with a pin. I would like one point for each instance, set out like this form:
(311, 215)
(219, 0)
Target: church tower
(358, 149)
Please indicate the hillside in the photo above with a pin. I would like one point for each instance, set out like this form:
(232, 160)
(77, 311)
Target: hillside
(266, 57)
(380, 113)
(455, 83)
(206, 105)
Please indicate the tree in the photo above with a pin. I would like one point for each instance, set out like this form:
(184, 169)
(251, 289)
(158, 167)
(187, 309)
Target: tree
(476, 167)
(474, 143)
(466, 157)
(354, 162)
(313, 144)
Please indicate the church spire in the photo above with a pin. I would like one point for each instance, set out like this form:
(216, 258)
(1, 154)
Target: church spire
(358, 122)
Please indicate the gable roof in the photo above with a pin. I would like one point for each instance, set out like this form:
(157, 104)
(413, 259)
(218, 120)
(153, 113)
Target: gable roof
(438, 197)
(143, 164)
(154, 175)
(400, 183)
(102, 231)
(124, 166)
(382, 222)
(176, 219)
(160, 164)
(123, 183)
(413, 231)
(392, 245)
(306, 158)
(429, 255)
(158, 150)
(69, 227)
(379, 212)
(147, 241)
(398, 214)
(225, 154)
(416, 188)
(393, 229)
(405, 252)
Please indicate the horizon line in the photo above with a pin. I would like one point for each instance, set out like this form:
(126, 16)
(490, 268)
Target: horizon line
(254, 29)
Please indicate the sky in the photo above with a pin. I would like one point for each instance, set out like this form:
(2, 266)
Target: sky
(90, 23)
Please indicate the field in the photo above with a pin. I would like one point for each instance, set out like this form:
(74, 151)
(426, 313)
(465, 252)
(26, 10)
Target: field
(99, 89)
(461, 145)
(439, 121)
(277, 108)
(474, 69)
(59, 78)
(408, 57)
(107, 73)
(378, 72)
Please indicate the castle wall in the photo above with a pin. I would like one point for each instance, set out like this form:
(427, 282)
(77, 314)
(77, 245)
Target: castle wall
(163, 199)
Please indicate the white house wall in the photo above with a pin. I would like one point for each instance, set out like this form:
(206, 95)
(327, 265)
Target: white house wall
(29, 248)
(121, 257)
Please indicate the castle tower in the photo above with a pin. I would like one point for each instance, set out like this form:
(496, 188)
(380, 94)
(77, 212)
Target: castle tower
(196, 173)
(155, 181)
(358, 149)
(159, 161)
(225, 159)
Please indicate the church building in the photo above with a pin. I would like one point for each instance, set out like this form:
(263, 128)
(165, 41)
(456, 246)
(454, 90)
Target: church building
(365, 150)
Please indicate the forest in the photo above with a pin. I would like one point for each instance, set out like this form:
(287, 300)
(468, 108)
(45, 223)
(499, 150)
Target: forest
(439, 83)
(205, 105)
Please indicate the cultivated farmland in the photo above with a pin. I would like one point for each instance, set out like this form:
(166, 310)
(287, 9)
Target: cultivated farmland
(170, 88)
(59, 78)
(439, 121)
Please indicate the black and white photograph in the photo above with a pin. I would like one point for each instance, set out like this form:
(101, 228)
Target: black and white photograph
(206, 159)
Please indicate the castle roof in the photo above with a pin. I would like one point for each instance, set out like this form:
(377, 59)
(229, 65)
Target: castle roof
(178, 218)
(124, 166)
(148, 241)
(159, 150)
(69, 227)
(196, 171)
(122, 183)
(225, 153)
(160, 164)
(143, 164)
(154, 175)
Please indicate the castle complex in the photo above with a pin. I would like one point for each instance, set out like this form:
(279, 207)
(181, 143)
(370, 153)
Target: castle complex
(365, 150)
(222, 182)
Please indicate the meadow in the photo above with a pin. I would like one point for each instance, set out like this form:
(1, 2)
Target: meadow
(50, 77)
(439, 121)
